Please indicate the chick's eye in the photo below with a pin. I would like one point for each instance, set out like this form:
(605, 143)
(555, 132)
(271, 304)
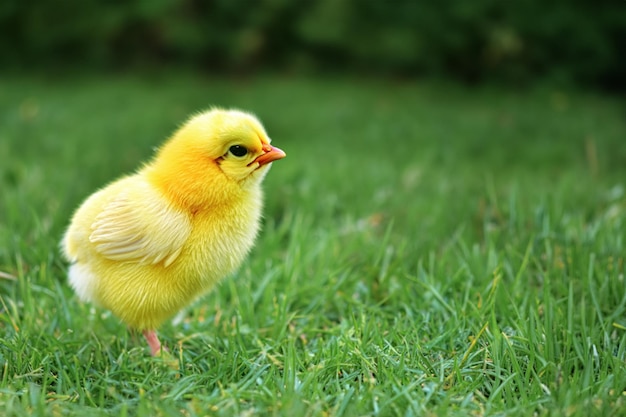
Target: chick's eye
(238, 150)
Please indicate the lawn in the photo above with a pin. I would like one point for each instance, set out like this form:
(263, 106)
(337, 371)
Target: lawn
(427, 249)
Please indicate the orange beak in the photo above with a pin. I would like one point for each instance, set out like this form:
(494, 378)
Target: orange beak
(271, 154)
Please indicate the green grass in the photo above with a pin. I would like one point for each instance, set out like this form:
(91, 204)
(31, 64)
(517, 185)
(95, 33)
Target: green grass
(427, 249)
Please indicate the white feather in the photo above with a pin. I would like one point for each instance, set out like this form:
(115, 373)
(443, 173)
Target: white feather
(83, 281)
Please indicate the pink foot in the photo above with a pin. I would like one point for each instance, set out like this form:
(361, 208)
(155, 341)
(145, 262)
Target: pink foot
(153, 342)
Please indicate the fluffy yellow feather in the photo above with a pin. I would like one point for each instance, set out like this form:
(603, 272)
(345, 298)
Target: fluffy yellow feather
(148, 244)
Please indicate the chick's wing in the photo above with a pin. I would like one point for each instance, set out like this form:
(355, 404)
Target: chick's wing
(139, 225)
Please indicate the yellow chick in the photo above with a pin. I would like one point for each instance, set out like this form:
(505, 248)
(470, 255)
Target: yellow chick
(148, 244)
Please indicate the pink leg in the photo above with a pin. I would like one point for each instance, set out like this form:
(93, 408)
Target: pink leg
(153, 342)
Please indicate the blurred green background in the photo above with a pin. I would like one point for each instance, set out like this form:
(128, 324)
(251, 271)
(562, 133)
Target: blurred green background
(571, 41)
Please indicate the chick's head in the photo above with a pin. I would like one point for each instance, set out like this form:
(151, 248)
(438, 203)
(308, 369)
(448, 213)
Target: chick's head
(215, 154)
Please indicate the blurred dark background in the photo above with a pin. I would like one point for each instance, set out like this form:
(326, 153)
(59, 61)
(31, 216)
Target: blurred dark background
(516, 42)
